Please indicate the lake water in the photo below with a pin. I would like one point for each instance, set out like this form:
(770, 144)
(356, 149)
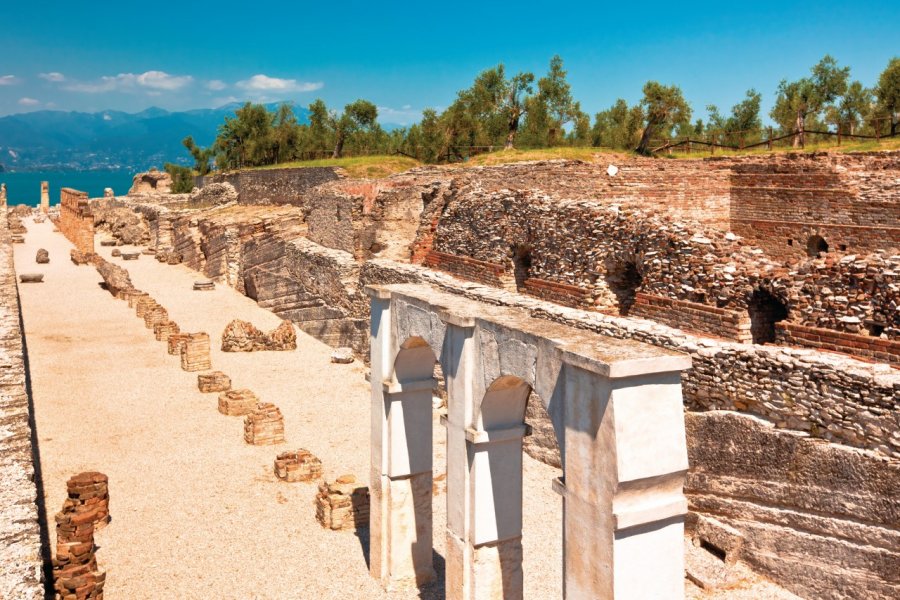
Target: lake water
(25, 188)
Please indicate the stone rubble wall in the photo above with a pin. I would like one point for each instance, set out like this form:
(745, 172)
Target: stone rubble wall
(273, 186)
(20, 532)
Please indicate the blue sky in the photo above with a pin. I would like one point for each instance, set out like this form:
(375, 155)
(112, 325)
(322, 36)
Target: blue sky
(100, 55)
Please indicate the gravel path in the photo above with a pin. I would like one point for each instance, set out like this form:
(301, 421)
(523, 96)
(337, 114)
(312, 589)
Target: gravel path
(196, 512)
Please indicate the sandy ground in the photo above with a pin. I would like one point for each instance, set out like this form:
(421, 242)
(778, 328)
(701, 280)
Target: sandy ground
(196, 512)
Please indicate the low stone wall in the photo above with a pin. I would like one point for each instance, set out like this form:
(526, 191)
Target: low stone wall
(20, 533)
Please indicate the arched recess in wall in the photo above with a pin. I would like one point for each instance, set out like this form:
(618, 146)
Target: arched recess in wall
(521, 258)
(816, 244)
(624, 279)
(765, 309)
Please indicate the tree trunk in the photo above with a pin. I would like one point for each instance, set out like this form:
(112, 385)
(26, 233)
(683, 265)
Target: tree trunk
(893, 125)
(338, 147)
(644, 146)
(511, 135)
(798, 139)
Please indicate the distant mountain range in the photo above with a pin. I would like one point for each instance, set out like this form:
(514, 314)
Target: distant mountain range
(55, 140)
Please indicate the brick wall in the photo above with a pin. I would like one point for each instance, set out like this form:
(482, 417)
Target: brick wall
(848, 199)
(873, 348)
(691, 316)
(468, 268)
(75, 219)
(560, 293)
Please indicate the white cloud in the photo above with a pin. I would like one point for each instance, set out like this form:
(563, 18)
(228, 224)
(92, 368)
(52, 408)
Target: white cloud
(216, 85)
(53, 76)
(153, 80)
(160, 80)
(28, 102)
(405, 115)
(264, 83)
(9, 80)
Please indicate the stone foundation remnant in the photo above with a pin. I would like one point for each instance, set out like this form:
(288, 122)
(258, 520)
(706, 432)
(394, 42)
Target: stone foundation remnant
(214, 381)
(301, 465)
(237, 403)
(31, 277)
(264, 426)
(76, 575)
(131, 255)
(616, 410)
(155, 316)
(42, 257)
(176, 342)
(195, 352)
(343, 504)
(45, 197)
(241, 336)
(204, 285)
(163, 330)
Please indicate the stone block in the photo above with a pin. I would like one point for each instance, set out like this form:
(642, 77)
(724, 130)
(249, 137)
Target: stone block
(214, 381)
(237, 403)
(195, 352)
(42, 257)
(264, 425)
(163, 330)
(342, 504)
(31, 277)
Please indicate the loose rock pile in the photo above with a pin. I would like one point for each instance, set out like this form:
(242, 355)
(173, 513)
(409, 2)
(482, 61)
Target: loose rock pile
(241, 336)
(214, 381)
(342, 504)
(301, 465)
(237, 403)
(195, 352)
(265, 425)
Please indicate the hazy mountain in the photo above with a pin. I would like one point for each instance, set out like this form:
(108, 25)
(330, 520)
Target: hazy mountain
(57, 140)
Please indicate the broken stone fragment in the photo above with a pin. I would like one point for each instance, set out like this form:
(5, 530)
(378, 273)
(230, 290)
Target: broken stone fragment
(42, 257)
(31, 277)
(241, 336)
(342, 356)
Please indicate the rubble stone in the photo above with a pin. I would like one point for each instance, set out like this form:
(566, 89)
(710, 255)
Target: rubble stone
(42, 257)
(241, 336)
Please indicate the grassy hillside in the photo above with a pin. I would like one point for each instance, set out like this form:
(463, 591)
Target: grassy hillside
(373, 167)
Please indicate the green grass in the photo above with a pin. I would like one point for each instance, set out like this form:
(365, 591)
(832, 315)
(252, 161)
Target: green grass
(373, 167)
(502, 157)
(829, 146)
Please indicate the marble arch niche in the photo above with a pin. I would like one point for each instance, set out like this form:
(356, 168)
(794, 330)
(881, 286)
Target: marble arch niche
(617, 412)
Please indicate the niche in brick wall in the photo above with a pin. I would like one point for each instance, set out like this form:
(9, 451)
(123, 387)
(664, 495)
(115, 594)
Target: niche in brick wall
(521, 265)
(765, 310)
(816, 244)
(624, 279)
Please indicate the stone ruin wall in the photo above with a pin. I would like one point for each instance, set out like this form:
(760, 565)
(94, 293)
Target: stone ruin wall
(273, 186)
(850, 200)
(20, 532)
(755, 414)
(75, 220)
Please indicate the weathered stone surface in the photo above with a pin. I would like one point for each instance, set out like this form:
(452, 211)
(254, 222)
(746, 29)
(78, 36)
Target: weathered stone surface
(165, 329)
(20, 533)
(237, 403)
(42, 257)
(342, 356)
(241, 336)
(80, 258)
(153, 182)
(122, 223)
(342, 504)
(301, 465)
(264, 425)
(176, 342)
(31, 277)
(214, 381)
(215, 194)
(117, 279)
